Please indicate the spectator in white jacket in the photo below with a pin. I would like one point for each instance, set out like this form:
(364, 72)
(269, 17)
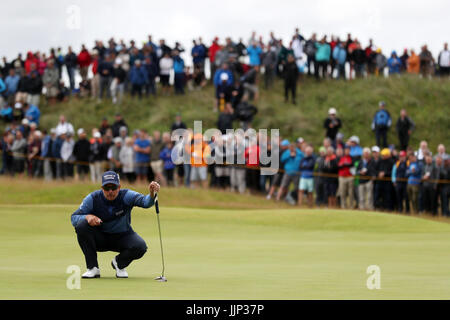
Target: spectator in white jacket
(126, 156)
(165, 66)
(67, 156)
(64, 126)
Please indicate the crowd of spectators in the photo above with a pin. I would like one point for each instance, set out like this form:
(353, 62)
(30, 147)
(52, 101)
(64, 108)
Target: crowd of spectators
(338, 173)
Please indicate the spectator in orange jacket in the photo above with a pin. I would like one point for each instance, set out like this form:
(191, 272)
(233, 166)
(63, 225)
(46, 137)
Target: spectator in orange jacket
(413, 63)
(200, 152)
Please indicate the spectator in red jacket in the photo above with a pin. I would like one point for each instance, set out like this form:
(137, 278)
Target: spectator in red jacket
(345, 162)
(31, 59)
(95, 84)
(215, 46)
(84, 61)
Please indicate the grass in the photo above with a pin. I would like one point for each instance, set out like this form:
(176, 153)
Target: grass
(427, 102)
(218, 253)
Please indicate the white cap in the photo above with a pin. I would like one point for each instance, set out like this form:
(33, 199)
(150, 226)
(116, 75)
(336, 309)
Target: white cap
(375, 149)
(33, 125)
(119, 61)
(354, 139)
(224, 76)
(53, 130)
(38, 134)
(80, 131)
(300, 140)
(97, 134)
(18, 105)
(25, 121)
(117, 140)
(332, 111)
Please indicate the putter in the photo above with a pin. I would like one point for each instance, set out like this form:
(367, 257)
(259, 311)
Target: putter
(161, 278)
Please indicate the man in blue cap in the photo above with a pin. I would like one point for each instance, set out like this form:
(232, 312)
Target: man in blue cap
(102, 223)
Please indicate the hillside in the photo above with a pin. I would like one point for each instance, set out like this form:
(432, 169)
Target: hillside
(427, 101)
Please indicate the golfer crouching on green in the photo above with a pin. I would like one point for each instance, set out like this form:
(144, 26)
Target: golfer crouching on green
(102, 223)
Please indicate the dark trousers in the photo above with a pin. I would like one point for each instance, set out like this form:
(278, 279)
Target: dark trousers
(136, 88)
(386, 192)
(404, 141)
(381, 136)
(321, 66)
(290, 86)
(91, 240)
(320, 192)
(71, 74)
(179, 83)
(429, 199)
(341, 71)
(443, 194)
(402, 196)
(310, 63)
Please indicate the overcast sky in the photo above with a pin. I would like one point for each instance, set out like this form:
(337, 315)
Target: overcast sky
(39, 25)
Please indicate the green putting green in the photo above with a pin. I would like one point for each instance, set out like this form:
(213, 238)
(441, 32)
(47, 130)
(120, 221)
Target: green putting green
(232, 254)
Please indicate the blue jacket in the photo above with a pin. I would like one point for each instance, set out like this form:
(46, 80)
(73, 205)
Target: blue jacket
(356, 151)
(2, 85)
(382, 118)
(217, 77)
(116, 214)
(307, 167)
(178, 64)
(254, 53)
(139, 76)
(45, 151)
(414, 177)
(340, 55)
(12, 82)
(33, 114)
(56, 148)
(201, 53)
(292, 164)
(394, 63)
(166, 156)
(7, 112)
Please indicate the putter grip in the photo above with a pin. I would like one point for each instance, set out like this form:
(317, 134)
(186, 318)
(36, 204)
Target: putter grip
(156, 204)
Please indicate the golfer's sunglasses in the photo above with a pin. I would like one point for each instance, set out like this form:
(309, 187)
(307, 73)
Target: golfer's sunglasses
(110, 187)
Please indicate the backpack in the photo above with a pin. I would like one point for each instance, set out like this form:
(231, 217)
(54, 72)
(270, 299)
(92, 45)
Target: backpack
(381, 118)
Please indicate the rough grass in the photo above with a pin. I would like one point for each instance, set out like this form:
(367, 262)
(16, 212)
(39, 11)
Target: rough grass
(427, 101)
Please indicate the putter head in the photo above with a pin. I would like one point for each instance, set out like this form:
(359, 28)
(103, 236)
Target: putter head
(161, 279)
